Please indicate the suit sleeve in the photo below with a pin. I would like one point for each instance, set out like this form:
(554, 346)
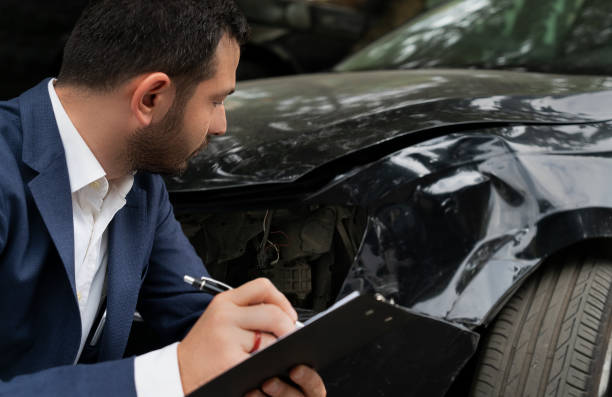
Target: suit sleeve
(166, 303)
(111, 378)
(3, 223)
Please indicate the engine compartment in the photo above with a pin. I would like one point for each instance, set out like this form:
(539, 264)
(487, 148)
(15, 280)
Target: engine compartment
(305, 251)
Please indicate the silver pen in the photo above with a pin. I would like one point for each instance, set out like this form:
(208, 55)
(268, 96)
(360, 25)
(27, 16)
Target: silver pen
(96, 336)
(214, 287)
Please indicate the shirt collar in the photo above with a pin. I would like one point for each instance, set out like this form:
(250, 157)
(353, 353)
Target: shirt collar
(83, 167)
(124, 185)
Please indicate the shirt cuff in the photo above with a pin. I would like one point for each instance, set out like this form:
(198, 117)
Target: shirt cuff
(157, 373)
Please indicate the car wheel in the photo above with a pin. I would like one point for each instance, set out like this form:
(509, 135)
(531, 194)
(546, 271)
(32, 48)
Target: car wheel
(553, 336)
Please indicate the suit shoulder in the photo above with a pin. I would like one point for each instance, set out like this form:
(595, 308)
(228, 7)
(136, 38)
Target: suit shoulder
(154, 186)
(11, 183)
(9, 113)
(149, 182)
(10, 127)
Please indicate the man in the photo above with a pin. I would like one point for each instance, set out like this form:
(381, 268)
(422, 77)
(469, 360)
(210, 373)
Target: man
(86, 226)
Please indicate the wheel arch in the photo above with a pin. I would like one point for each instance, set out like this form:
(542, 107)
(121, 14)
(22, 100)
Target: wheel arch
(486, 293)
(553, 333)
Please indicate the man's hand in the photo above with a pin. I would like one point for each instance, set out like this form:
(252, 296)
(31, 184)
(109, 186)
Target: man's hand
(225, 334)
(309, 381)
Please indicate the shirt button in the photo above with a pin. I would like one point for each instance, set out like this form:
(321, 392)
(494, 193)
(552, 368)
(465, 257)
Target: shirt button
(79, 296)
(96, 185)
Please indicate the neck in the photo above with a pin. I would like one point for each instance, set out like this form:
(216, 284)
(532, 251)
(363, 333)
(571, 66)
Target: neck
(99, 120)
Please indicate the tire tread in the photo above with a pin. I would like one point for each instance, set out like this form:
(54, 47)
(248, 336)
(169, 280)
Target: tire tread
(548, 337)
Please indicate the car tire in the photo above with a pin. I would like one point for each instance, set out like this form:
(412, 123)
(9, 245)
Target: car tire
(553, 336)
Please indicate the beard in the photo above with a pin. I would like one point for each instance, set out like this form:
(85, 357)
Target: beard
(159, 148)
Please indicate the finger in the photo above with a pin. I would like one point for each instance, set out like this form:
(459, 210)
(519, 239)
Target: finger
(309, 380)
(261, 290)
(275, 387)
(265, 317)
(266, 340)
(247, 340)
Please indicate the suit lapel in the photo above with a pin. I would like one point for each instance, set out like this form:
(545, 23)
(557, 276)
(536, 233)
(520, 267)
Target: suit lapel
(44, 153)
(54, 203)
(50, 188)
(125, 263)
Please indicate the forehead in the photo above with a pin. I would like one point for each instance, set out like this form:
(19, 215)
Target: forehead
(227, 55)
(227, 51)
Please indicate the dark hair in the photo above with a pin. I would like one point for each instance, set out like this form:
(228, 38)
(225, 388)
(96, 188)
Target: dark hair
(115, 40)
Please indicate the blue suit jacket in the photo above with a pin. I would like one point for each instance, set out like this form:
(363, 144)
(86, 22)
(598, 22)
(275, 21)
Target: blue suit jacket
(40, 327)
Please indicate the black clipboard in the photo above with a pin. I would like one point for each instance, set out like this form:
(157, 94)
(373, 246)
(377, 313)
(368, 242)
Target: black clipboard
(348, 327)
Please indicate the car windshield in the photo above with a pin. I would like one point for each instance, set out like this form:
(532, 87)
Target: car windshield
(562, 36)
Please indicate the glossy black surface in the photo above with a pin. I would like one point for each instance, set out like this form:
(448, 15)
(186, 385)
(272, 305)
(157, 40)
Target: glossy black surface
(360, 350)
(281, 129)
(415, 360)
(470, 181)
(457, 222)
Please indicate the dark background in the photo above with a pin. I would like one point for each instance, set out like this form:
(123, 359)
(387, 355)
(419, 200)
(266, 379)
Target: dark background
(310, 36)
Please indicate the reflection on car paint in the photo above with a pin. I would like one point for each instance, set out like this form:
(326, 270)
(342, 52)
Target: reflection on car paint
(292, 129)
(466, 181)
(453, 242)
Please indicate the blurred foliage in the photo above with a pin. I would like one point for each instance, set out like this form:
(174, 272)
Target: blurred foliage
(567, 36)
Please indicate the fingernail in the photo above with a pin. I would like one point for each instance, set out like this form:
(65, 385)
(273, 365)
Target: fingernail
(297, 374)
(271, 387)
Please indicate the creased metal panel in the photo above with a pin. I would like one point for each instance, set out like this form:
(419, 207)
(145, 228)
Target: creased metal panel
(456, 223)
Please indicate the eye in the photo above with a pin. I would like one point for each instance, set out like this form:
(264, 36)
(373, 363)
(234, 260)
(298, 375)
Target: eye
(217, 103)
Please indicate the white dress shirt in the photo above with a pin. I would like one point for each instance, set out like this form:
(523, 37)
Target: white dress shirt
(95, 201)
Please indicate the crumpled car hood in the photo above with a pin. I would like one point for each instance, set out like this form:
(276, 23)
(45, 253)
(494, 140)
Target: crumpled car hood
(281, 129)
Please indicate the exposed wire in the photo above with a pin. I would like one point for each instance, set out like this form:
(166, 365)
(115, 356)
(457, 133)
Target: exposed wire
(275, 261)
(284, 235)
(261, 253)
(264, 227)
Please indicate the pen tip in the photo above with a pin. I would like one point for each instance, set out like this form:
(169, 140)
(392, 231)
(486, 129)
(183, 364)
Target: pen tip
(188, 279)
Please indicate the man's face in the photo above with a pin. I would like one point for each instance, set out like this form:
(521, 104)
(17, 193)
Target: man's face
(166, 146)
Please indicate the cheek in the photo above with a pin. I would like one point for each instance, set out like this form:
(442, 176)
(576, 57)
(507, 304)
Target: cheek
(197, 129)
(195, 122)
(200, 117)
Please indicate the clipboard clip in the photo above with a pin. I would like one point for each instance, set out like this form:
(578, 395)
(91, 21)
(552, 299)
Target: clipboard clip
(379, 297)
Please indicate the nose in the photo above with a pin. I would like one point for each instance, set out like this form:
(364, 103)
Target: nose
(218, 124)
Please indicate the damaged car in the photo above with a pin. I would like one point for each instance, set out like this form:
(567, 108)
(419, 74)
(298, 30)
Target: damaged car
(478, 198)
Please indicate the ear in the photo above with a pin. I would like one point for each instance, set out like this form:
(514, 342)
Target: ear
(152, 96)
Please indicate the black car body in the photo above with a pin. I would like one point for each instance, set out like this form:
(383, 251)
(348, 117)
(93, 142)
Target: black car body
(442, 190)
